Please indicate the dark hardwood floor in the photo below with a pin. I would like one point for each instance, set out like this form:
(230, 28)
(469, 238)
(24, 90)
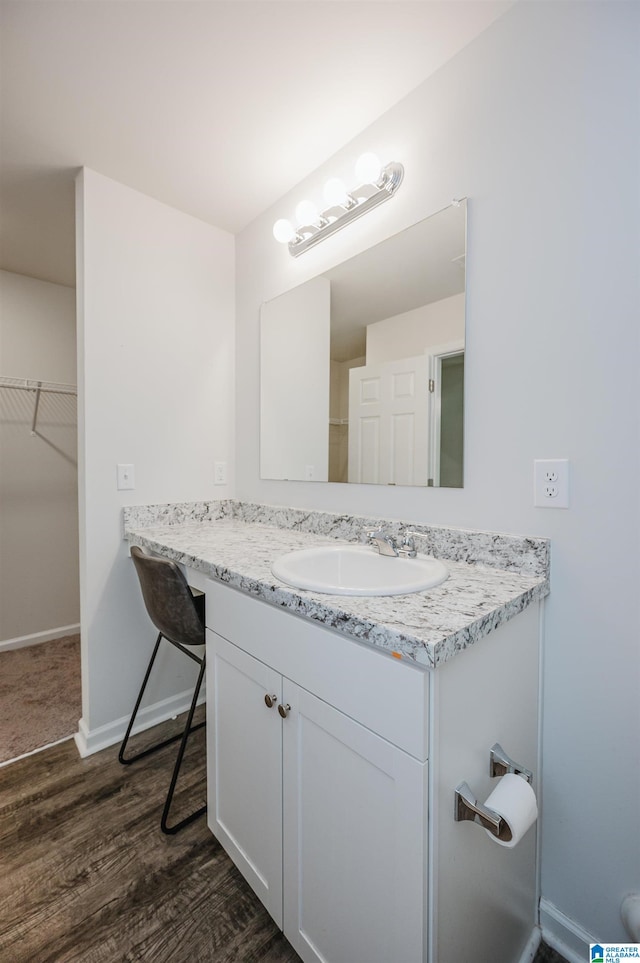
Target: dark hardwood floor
(86, 876)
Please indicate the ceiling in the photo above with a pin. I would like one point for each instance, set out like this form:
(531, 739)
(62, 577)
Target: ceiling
(420, 265)
(216, 107)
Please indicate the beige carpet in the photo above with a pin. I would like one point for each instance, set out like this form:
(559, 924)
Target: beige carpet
(40, 699)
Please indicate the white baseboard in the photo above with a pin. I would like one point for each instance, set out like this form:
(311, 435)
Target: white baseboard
(528, 955)
(23, 641)
(89, 741)
(564, 935)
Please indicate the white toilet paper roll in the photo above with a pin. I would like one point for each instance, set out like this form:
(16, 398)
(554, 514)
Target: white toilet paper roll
(514, 800)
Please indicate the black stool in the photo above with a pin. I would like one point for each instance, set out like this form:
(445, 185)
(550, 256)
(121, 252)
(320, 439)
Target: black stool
(179, 617)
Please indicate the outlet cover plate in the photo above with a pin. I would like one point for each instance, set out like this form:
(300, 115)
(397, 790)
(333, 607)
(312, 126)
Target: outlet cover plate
(551, 483)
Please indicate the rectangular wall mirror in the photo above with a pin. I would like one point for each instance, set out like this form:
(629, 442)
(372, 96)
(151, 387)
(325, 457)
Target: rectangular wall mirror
(362, 368)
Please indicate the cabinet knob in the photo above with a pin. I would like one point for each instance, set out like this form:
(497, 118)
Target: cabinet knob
(270, 700)
(284, 710)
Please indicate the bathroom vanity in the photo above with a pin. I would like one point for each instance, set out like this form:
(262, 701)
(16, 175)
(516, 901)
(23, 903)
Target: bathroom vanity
(339, 728)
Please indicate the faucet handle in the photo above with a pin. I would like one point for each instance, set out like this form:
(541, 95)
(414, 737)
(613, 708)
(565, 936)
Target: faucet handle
(408, 546)
(375, 533)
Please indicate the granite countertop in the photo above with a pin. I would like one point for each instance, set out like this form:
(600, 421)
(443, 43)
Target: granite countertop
(237, 543)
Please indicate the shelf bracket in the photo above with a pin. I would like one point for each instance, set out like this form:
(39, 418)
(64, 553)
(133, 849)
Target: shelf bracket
(35, 409)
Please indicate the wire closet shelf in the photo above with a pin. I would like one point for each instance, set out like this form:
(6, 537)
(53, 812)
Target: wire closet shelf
(37, 387)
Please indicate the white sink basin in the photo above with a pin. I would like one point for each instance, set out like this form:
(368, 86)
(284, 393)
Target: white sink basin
(357, 570)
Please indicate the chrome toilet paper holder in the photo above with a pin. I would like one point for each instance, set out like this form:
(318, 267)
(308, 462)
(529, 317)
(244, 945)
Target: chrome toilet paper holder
(467, 807)
(500, 764)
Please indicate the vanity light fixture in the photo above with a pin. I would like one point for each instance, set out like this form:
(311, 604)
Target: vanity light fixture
(377, 183)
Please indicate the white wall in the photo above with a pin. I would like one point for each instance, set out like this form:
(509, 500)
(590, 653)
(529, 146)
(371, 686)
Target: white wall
(414, 332)
(39, 596)
(294, 383)
(155, 373)
(537, 123)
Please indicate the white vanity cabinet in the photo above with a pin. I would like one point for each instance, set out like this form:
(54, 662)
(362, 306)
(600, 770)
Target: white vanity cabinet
(353, 868)
(244, 777)
(323, 814)
(339, 812)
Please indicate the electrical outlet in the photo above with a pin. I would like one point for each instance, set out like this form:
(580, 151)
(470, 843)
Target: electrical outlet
(551, 483)
(220, 473)
(126, 477)
(309, 472)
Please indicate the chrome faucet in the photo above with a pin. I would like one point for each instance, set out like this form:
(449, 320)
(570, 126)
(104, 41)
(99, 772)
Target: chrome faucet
(386, 544)
(383, 542)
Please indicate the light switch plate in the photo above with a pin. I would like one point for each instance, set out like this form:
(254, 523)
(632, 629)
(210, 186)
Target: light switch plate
(126, 477)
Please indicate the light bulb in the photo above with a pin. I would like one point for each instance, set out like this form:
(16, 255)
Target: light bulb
(368, 169)
(306, 213)
(335, 192)
(283, 231)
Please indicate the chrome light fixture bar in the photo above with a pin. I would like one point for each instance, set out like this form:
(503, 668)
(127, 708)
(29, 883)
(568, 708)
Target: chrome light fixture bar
(377, 185)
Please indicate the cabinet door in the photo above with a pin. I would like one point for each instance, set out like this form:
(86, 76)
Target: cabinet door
(354, 839)
(244, 767)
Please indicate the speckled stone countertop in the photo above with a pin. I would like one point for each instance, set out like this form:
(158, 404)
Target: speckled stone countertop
(492, 577)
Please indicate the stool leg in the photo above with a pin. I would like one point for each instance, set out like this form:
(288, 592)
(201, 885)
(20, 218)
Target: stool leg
(158, 745)
(121, 758)
(188, 729)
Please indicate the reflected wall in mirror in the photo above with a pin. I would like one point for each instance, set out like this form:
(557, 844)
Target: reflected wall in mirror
(362, 368)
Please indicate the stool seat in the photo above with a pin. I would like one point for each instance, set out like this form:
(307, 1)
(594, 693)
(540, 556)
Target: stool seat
(178, 615)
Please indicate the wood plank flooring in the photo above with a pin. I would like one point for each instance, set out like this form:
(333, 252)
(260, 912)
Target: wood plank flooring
(86, 876)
